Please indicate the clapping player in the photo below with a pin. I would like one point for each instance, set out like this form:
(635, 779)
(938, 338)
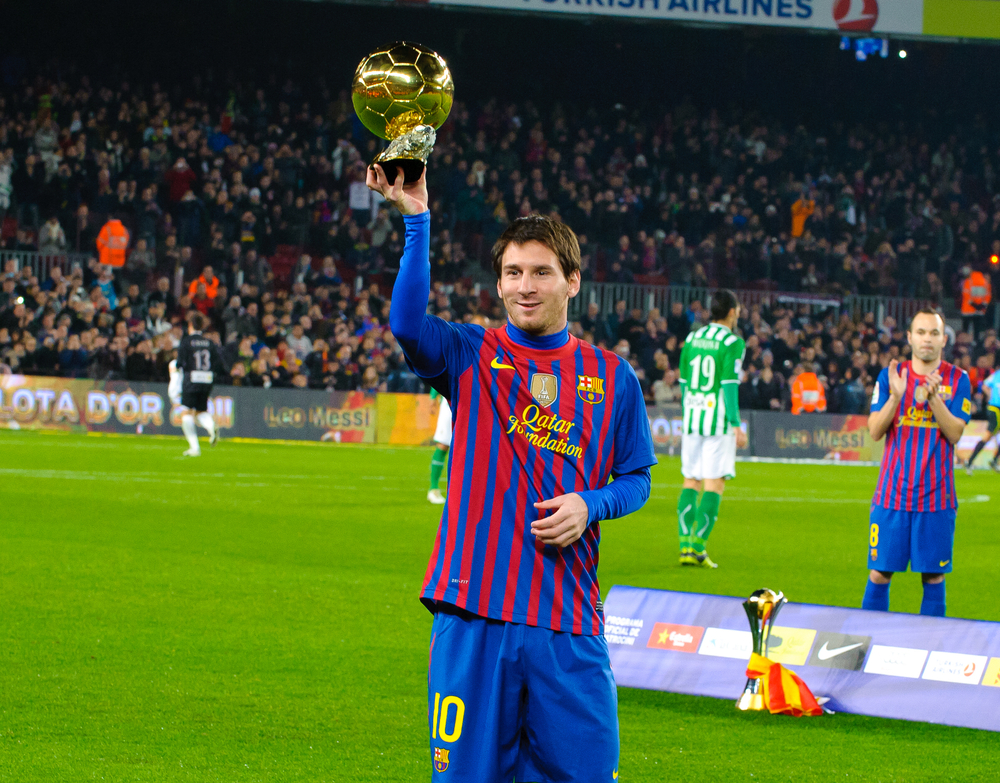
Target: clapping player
(921, 408)
(520, 684)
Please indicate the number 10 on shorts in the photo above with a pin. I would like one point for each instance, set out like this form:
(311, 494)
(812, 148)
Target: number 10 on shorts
(443, 716)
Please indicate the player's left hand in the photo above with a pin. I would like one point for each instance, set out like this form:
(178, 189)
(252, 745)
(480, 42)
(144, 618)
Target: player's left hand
(564, 526)
(933, 384)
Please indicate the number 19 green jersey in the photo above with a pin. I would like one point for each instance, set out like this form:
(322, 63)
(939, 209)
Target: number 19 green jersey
(712, 358)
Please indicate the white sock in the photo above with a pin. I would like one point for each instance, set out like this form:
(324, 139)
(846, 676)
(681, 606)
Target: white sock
(187, 426)
(207, 422)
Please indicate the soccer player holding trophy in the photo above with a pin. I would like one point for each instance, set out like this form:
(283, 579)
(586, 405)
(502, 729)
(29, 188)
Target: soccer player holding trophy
(921, 407)
(520, 684)
(711, 364)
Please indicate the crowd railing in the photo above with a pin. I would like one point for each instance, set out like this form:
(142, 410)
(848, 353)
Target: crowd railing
(41, 264)
(662, 297)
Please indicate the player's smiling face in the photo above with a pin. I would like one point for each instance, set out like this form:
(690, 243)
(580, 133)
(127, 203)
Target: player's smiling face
(534, 289)
(927, 337)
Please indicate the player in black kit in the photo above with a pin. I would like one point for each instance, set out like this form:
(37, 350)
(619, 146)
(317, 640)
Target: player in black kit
(199, 363)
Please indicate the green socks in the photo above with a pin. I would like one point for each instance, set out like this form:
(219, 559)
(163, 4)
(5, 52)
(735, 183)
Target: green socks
(708, 512)
(687, 508)
(438, 461)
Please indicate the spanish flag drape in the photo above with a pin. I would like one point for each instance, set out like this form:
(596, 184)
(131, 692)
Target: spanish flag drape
(783, 690)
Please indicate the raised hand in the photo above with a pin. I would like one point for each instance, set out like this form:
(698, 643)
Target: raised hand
(410, 198)
(897, 379)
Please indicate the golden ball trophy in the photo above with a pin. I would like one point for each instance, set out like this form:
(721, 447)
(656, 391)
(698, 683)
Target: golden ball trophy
(403, 93)
(761, 607)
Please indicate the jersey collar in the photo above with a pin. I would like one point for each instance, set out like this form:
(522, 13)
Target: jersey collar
(547, 342)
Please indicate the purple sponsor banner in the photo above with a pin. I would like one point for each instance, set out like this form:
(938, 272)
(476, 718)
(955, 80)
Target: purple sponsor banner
(886, 664)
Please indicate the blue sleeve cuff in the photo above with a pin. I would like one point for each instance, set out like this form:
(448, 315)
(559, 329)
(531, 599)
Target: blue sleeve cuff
(625, 495)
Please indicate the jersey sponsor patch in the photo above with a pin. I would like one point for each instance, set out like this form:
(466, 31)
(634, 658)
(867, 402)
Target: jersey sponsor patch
(700, 402)
(539, 428)
(201, 376)
(966, 406)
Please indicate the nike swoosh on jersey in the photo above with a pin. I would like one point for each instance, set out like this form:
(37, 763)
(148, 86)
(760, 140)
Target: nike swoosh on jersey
(943, 563)
(614, 775)
(825, 653)
(496, 364)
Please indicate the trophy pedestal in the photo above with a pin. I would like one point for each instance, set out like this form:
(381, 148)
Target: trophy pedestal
(751, 700)
(412, 169)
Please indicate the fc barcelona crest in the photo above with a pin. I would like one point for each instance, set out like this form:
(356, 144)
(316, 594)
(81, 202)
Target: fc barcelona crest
(590, 389)
(440, 759)
(544, 388)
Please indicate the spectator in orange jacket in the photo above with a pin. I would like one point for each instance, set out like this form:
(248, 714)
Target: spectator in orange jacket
(801, 210)
(209, 280)
(808, 395)
(112, 242)
(977, 293)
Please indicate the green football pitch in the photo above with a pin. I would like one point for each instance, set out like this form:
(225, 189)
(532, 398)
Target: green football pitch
(252, 615)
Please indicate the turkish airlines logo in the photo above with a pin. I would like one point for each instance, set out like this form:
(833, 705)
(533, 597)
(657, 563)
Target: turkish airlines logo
(855, 16)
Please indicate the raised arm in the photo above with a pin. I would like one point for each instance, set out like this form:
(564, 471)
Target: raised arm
(885, 402)
(408, 311)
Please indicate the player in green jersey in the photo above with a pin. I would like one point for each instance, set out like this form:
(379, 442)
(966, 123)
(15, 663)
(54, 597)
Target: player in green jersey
(442, 439)
(710, 365)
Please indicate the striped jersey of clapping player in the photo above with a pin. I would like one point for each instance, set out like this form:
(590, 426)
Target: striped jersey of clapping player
(192, 374)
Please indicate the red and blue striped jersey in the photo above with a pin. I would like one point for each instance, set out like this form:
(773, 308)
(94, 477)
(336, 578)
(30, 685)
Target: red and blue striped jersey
(529, 424)
(918, 464)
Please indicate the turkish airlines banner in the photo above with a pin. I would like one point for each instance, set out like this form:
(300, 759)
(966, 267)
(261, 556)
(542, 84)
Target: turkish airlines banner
(851, 16)
(885, 664)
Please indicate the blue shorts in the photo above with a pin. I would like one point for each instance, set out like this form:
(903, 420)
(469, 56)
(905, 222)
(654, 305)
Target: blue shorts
(513, 702)
(922, 539)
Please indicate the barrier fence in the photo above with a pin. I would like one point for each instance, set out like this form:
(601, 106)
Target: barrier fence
(887, 664)
(647, 297)
(42, 263)
(28, 402)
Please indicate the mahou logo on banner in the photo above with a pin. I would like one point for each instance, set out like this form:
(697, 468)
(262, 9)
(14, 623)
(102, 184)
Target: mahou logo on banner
(855, 16)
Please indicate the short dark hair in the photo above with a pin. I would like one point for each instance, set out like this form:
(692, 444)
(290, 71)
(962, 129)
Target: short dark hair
(926, 311)
(723, 301)
(197, 321)
(556, 236)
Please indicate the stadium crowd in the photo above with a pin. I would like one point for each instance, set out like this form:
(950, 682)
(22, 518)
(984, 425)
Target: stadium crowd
(249, 205)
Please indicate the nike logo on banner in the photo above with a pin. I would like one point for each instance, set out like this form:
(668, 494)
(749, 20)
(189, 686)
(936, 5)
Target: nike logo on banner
(943, 563)
(825, 653)
(496, 364)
